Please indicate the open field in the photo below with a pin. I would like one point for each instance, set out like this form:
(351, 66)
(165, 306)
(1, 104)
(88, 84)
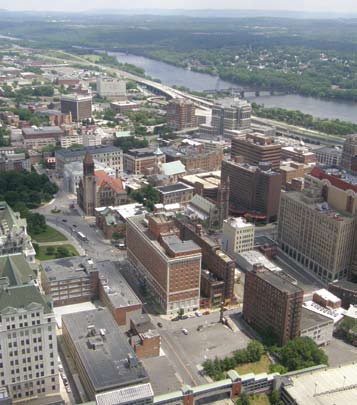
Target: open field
(50, 235)
(43, 253)
(258, 367)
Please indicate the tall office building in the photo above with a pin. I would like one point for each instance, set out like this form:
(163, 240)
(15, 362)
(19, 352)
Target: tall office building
(28, 343)
(169, 266)
(181, 114)
(254, 190)
(272, 304)
(349, 153)
(80, 106)
(257, 148)
(319, 238)
(111, 87)
(234, 118)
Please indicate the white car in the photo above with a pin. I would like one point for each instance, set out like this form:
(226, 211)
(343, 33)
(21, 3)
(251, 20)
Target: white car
(198, 313)
(185, 331)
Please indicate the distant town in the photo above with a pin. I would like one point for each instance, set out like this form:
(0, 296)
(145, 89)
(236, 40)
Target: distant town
(160, 247)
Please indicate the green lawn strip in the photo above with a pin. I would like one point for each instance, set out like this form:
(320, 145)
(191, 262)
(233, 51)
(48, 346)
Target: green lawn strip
(49, 235)
(257, 367)
(44, 255)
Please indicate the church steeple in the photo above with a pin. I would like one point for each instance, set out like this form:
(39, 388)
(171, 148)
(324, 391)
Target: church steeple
(88, 164)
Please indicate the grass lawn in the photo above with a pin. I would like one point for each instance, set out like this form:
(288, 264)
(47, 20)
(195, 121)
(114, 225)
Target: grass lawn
(258, 367)
(259, 399)
(43, 255)
(92, 58)
(50, 235)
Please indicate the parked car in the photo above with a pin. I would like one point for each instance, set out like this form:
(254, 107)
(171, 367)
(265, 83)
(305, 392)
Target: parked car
(206, 313)
(185, 331)
(159, 324)
(175, 319)
(198, 313)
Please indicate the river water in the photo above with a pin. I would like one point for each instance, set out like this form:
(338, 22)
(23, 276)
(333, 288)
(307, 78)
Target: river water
(173, 75)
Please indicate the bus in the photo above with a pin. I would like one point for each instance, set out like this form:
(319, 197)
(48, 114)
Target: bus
(82, 236)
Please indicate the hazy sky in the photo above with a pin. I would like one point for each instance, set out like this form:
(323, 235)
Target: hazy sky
(75, 5)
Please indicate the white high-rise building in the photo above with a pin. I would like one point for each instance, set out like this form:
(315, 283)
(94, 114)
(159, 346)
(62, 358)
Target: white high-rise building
(238, 236)
(28, 345)
(111, 87)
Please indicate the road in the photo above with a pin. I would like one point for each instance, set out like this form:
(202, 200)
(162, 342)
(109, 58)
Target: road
(70, 221)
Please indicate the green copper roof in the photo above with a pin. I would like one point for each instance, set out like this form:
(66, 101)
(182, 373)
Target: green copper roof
(16, 269)
(24, 296)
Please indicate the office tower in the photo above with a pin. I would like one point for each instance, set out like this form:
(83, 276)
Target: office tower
(80, 106)
(234, 118)
(319, 238)
(272, 304)
(254, 190)
(256, 148)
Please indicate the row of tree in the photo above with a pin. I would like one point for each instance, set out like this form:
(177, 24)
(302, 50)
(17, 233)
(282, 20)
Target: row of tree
(292, 117)
(217, 367)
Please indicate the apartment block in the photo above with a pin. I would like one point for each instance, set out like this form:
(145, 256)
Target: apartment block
(166, 264)
(38, 138)
(256, 148)
(272, 304)
(181, 114)
(328, 156)
(254, 190)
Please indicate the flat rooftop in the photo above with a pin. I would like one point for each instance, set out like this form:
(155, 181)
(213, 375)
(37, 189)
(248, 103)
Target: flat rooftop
(209, 180)
(107, 357)
(79, 152)
(325, 386)
(347, 285)
(311, 319)
(180, 246)
(68, 268)
(278, 281)
(42, 130)
(126, 395)
(172, 188)
(117, 289)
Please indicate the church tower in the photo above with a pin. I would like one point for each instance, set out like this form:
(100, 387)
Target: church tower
(223, 200)
(87, 187)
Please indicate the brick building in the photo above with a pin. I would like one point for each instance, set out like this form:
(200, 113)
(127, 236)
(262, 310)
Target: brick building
(257, 148)
(167, 265)
(143, 161)
(272, 303)
(176, 193)
(300, 154)
(145, 339)
(349, 152)
(254, 190)
(195, 158)
(181, 114)
(214, 259)
(346, 291)
(38, 138)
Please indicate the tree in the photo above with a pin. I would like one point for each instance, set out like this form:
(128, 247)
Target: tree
(277, 368)
(50, 250)
(36, 223)
(116, 235)
(62, 251)
(299, 353)
(275, 399)
(243, 400)
(180, 312)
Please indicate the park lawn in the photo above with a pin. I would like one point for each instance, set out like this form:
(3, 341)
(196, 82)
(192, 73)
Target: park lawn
(259, 399)
(258, 367)
(42, 253)
(49, 235)
(92, 58)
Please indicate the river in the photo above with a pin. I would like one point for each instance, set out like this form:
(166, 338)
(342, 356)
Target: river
(173, 75)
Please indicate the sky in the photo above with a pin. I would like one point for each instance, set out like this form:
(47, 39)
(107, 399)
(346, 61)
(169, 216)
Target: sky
(78, 5)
